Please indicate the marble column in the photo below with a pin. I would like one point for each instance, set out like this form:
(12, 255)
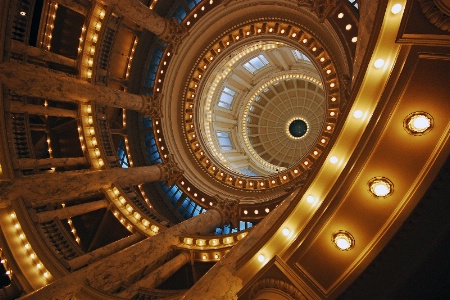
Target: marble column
(36, 81)
(110, 273)
(21, 48)
(167, 29)
(70, 211)
(48, 188)
(158, 276)
(30, 163)
(97, 254)
(221, 281)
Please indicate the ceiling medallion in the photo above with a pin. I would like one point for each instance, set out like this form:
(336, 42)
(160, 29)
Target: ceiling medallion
(292, 34)
(418, 123)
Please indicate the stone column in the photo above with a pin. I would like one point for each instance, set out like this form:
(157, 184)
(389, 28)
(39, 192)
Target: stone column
(109, 273)
(155, 278)
(31, 163)
(104, 251)
(167, 29)
(70, 211)
(48, 188)
(37, 81)
(21, 48)
(32, 109)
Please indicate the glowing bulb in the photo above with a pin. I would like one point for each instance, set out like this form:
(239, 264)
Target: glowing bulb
(334, 160)
(357, 114)
(261, 258)
(378, 63)
(396, 8)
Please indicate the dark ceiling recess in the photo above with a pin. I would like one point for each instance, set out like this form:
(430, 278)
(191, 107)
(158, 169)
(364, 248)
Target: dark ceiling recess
(67, 24)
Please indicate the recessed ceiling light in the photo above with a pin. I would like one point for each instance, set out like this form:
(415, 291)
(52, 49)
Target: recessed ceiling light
(343, 240)
(381, 187)
(418, 123)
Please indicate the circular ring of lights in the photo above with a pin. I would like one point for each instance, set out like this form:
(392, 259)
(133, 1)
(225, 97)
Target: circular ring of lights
(288, 128)
(418, 123)
(286, 32)
(343, 240)
(380, 187)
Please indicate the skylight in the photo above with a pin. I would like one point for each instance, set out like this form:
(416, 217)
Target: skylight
(226, 98)
(299, 56)
(224, 140)
(256, 63)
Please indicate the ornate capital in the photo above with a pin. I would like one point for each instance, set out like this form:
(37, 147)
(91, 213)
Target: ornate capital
(170, 172)
(152, 106)
(320, 7)
(228, 209)
(173, 33)
(280, 285)
(298, 183)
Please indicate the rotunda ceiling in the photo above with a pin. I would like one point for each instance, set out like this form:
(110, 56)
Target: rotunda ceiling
(250, 98)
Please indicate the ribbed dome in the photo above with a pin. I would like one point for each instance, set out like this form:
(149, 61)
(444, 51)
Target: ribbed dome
(249, 102)
(275, 111)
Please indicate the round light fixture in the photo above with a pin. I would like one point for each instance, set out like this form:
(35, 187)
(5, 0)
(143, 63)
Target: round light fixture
(343, 240)
(418, 123)
(381, 187)
(396, 8)
(379, 63)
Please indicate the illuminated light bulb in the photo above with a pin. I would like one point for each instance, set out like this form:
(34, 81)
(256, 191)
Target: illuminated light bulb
(396, 8)
(334, 160)
(310, 199)
(418, 123)
(340, 15)
(261, 258)
(381, 187)
(343, 240)
(379, 63)
(348, 27)
(354, 39)
(285, 232)
(357, 114)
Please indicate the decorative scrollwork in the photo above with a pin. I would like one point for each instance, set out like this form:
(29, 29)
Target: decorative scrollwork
(173, 33)
(170, 172)
(321, 8)
(152, 106)
(270, 283)
(437, 12)
(228, 209)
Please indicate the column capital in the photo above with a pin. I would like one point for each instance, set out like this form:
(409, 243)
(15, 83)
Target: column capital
(228, 209)
(173, 33)
(151, 105)
(170, 172)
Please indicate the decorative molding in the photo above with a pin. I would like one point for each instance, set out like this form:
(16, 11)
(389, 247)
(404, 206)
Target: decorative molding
(437, 13)
(271, 283)
(170, 172)
(228, 209)
(173, 33)
(151, 105)
(321, 8)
